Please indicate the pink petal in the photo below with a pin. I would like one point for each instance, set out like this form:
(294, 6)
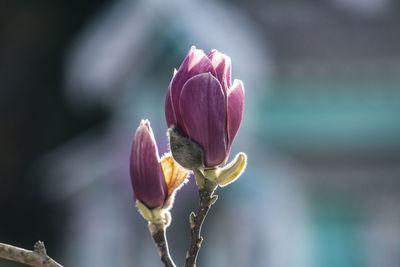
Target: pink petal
(222, 65)
(196, 62)
(235, 109)
(203, 107)
(146, 173)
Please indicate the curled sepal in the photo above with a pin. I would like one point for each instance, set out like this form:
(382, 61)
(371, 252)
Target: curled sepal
(233, 170)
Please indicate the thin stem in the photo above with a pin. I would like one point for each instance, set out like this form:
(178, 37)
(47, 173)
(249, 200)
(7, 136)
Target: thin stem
(37, 258)
(206, 199)
(158, 233)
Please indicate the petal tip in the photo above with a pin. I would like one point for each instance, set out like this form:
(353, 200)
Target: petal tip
(236, 84)
(146, 124)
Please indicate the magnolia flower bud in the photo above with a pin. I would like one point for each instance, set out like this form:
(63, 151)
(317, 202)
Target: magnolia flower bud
(203, 105)
(154, 180)
(147, 177)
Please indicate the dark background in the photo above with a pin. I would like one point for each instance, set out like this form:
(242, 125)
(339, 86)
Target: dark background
(34, 117)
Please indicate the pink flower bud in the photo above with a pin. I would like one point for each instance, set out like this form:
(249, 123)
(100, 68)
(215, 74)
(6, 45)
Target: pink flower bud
(147, 177)
(204, 106)
(154, 180)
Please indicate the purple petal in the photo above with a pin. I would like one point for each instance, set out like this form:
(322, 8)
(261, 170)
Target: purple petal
(235, 109)
(146, 173)
(196, 62)
(203, 107)
(222, 65)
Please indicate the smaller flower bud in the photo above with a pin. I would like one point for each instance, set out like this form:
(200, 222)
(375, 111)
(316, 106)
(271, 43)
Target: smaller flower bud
(147, 177)
(154, 180)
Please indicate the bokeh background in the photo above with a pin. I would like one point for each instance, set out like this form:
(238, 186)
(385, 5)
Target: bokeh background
(321, 129)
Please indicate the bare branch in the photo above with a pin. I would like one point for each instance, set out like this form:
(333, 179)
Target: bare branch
(158, 233)
(37, 258)
(207, 199)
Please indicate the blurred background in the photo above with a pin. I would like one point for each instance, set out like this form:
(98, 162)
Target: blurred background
(321, 129)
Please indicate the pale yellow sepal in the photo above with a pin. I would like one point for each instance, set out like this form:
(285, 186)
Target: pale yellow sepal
(233, 170)
(229, 173)
(200, 179)
(211, 174)
(159, 215)
(145, 211)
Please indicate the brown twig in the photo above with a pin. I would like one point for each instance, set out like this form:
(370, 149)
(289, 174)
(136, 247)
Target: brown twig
(37, 258)
(158, 233)
(206, 200)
